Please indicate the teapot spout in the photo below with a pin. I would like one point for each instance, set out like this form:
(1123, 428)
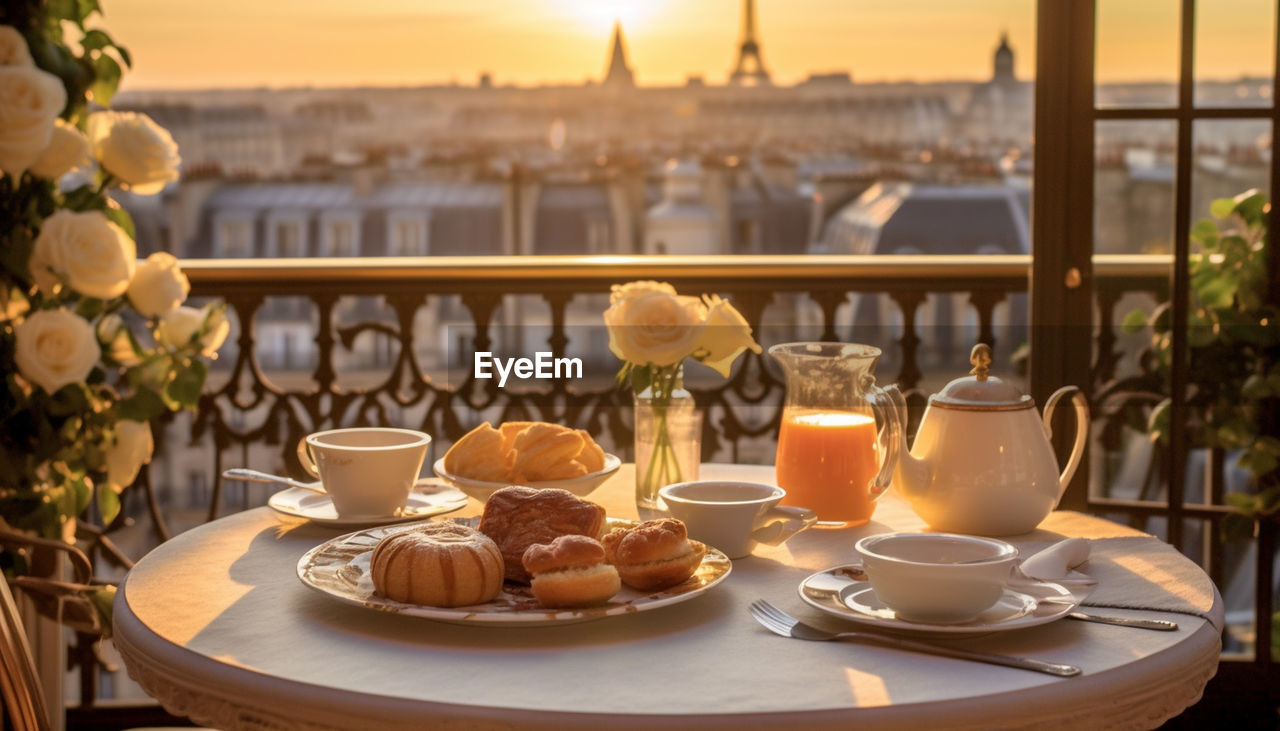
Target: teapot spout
(910, 473)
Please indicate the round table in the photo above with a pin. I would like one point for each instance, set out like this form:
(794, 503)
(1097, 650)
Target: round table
(216, 625)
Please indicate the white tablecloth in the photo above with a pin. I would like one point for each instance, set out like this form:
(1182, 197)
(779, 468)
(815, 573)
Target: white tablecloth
(217, 626)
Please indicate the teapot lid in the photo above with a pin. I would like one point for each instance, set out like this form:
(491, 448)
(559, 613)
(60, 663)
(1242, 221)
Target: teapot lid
(979, 391)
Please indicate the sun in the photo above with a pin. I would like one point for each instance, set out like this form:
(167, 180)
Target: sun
(598, 16)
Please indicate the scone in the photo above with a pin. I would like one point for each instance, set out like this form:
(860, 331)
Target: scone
(517, 517)
(479, 455)
(437, 565)
(653, 555)
(570, 572)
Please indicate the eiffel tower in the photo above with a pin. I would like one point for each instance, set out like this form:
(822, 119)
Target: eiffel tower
(750, 70)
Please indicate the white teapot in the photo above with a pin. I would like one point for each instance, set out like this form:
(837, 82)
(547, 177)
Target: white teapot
(982, 462)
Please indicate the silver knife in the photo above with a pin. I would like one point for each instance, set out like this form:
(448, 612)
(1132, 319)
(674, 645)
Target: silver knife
(1156, 624)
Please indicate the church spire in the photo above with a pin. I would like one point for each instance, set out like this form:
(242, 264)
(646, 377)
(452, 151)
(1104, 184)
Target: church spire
(619, 74)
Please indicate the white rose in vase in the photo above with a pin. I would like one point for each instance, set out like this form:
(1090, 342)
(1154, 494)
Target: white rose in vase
(68, 149)
(13, 48)
(177, 328)
(158, 285)
(136, 150)
(94, 255)
(54, 348)
(651, 325)
(30, 99)
(131, 449)
(725, 337)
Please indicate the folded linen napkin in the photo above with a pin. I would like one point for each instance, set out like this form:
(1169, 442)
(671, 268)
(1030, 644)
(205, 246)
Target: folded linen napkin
(1138, 572)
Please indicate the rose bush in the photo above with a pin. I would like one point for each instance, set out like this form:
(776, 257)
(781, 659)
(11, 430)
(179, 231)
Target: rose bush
(159, 285)
(30, 100)
(94, 256)
(134, 149)
(68, 149)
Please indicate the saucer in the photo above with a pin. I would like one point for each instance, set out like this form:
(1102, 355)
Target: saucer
(844, 592)
(428, 498)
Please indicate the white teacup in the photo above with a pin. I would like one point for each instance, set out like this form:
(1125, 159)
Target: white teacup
(943, 578)
(735, 516)
(367, 471)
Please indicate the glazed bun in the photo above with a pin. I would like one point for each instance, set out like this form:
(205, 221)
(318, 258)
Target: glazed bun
(570, 572)
(656, 554)
(438, 565)
(518, 517)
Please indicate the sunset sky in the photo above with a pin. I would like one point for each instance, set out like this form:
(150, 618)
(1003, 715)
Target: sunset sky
(237, 43)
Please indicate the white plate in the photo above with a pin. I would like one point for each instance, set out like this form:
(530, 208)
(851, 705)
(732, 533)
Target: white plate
(844, 592)
(339, 569)
(580, 486)
(427, 499)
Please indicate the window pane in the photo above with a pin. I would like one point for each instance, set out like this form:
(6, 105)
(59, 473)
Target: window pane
(1137, 53)
(1134, 186)
(1235, 53)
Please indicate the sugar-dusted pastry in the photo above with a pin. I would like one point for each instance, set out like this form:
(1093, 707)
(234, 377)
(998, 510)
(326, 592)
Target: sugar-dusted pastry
(518, 517)
(655, 554)
(570, 572)
(480, 455)
(546, 452)
(438, 565)
(591, 456)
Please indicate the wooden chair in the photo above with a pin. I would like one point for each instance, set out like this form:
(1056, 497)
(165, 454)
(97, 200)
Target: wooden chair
(20, 688)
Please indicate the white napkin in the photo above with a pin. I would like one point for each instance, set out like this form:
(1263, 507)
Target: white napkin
(1055, 564)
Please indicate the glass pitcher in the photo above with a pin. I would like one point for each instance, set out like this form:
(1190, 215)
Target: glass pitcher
(838, 444)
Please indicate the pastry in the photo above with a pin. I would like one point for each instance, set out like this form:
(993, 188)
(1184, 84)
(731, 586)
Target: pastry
(591, 456)
(510, 429)
(437, 565)
(570, 572)
(653, 555)
(479, 455)
(518, 517)
(546, 452)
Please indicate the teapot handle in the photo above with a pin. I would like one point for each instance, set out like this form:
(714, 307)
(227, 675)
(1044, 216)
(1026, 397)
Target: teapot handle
(884, 406)
(1082, 430)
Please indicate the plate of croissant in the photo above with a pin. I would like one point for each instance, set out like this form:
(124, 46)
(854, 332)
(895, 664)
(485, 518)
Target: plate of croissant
(535, 557)
(532, 453)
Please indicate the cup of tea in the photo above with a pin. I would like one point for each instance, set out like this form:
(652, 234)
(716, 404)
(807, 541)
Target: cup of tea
(367, 471)
(941, 578)
(735, 516)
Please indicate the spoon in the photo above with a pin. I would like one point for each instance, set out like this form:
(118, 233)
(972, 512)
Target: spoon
(247, 475)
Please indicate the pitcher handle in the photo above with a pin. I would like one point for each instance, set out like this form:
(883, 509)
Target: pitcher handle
(884, 406)
(1082, 430)
(305, 458)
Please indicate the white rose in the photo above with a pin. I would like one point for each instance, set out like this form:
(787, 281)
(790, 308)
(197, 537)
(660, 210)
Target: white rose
(134, 149)
(54, 348)
(94, 255)
(651, 325)
(131, 449)
(113, 336)
(158, 285)
(177, 328)
(13, 48)
(619, 292)
(68, 149)
(30, 99)
(726, 335)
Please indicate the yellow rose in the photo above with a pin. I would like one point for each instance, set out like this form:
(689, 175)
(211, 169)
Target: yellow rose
(54, 348)
(727, 334)
(158, 285)
(68, 149)
(178, 327)
(30, 99)
(13, 48)
(620, 292)
(131, 449)
(136, 150)
(96, 256)
(651, 325)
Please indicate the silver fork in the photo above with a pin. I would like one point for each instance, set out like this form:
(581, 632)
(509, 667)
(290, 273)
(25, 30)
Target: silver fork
(779, 622)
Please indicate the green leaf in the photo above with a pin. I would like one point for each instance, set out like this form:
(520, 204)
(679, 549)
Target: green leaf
(1237, 527)
(1250, 205)
(1255, 387)
(1241, 501)
(96, 40)
(641, 378)
(122, 219)
(1205, 233)
(107, 73)
(102, 598)
(108, 503)
(1134, 322)
(1222, 207)
(187, 384)
(124, 56)
(144, 405)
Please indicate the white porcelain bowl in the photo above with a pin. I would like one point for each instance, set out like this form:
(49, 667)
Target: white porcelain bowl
(943, 578)
(580, 486)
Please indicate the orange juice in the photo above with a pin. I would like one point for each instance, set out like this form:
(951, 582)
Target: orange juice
(826, 461)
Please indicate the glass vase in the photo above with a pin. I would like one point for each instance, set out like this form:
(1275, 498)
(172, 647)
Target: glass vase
(668, 446)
